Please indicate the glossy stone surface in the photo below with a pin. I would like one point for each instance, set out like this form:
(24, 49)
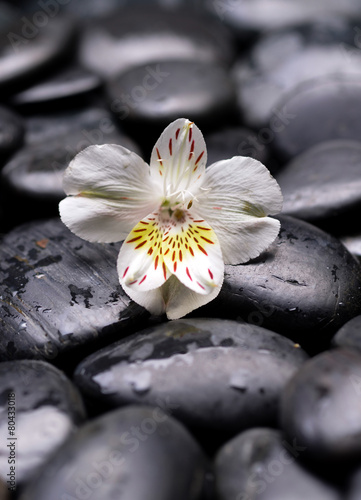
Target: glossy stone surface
(323, 184)
(133, 453)
(59, 294)
(321, 406)
(211, 373)
(305, 286)
(319, 110)
(349, 335)
(143, 34)
(263, 464)
(45, 408)
(11, 133)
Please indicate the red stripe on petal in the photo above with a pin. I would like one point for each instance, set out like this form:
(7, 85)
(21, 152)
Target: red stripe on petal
(125, 272)
(177, 133)
(170, 146)
(134, 239)
(164, 271)
(156, 262)
(202, 250)
(140, 282)
(141, 244)
(188, 274)
(199, 157)
(210, 273)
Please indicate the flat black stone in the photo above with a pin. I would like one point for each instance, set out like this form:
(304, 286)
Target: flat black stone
(34, 174)
(45, 409)
(211, 373)
(32, 46)
(60, 295)
(69, 83)
(134, 453)
(263, 464)
(321, 407)
(319, 110)
(282, 60)
(349, 335)
(147, 98)
(141, 34)
(305, 286)
(11, 133)
(323, 184)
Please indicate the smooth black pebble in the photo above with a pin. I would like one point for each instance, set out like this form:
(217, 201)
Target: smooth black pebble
(12, 131)
(211, 373)
(59, 294)
(40, 409)
(349, 335)
(132, 453)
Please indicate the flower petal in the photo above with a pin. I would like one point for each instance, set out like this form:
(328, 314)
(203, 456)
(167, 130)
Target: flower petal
(173, 298)
(140, 262)
(191, 252)
(111, 191)
(178, 158)
(236, 197)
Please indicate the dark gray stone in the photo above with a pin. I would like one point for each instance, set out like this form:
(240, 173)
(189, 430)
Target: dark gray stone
(262, 464)
(132, 453)
(40, 408)
(349, 335)
(306, 285)
(11, 133)
(323, 184)
(60, 295)
(212, 374)
(318, 110)
(321, 406)
(141, 34)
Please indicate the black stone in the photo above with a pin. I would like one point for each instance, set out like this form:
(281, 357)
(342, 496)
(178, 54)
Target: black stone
(263, 464)
(141, 34)
(200, 91)
(133, 453)
(349, 335)
(321, 406)
(32, 46)
(34, 174)
(235, 141)
(323, 184)
(43, 408)
(319, 110)
(11, 133)
(70, 84)
(60, 295)
(306, 285)
(211, 373)
(282, 60)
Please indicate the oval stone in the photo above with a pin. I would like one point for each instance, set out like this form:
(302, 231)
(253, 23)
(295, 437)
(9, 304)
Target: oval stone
(321, 406)
(142, 34)
(60, 295)
(40, 409)
(306, 285)
(11, 133)
(319, 110)
(132, 453)
(330, 195)
(349, 335)
(263, 464)
(211, 373)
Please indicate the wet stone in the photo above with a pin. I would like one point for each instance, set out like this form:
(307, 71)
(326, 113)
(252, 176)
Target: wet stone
(319, 110)
(210, 373)
(34, 174)
(132, 453)
(11, 133)
(349, 335)
(60, 295)
(281, 61)
(46, 409)
(72, 82)
(141, 34)
(153, 95)
(321, 406)
(328, 195)
(263, 464)
(32, 46)
(306, 285)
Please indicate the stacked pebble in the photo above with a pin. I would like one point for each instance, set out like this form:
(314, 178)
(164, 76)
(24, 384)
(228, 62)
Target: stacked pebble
(255, 396)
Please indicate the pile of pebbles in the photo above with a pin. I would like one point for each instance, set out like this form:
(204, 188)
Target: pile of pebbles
(255, 396)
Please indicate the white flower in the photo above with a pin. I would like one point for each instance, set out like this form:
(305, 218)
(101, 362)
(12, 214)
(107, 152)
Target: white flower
(180, 221)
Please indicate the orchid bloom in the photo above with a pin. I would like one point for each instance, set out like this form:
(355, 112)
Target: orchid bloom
(180, 222)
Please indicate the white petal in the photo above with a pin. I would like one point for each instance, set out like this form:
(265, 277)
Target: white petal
(111, 189)
(151, 300)
(238, 195)
(192, 252)
(140, 262)
(178, 158)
